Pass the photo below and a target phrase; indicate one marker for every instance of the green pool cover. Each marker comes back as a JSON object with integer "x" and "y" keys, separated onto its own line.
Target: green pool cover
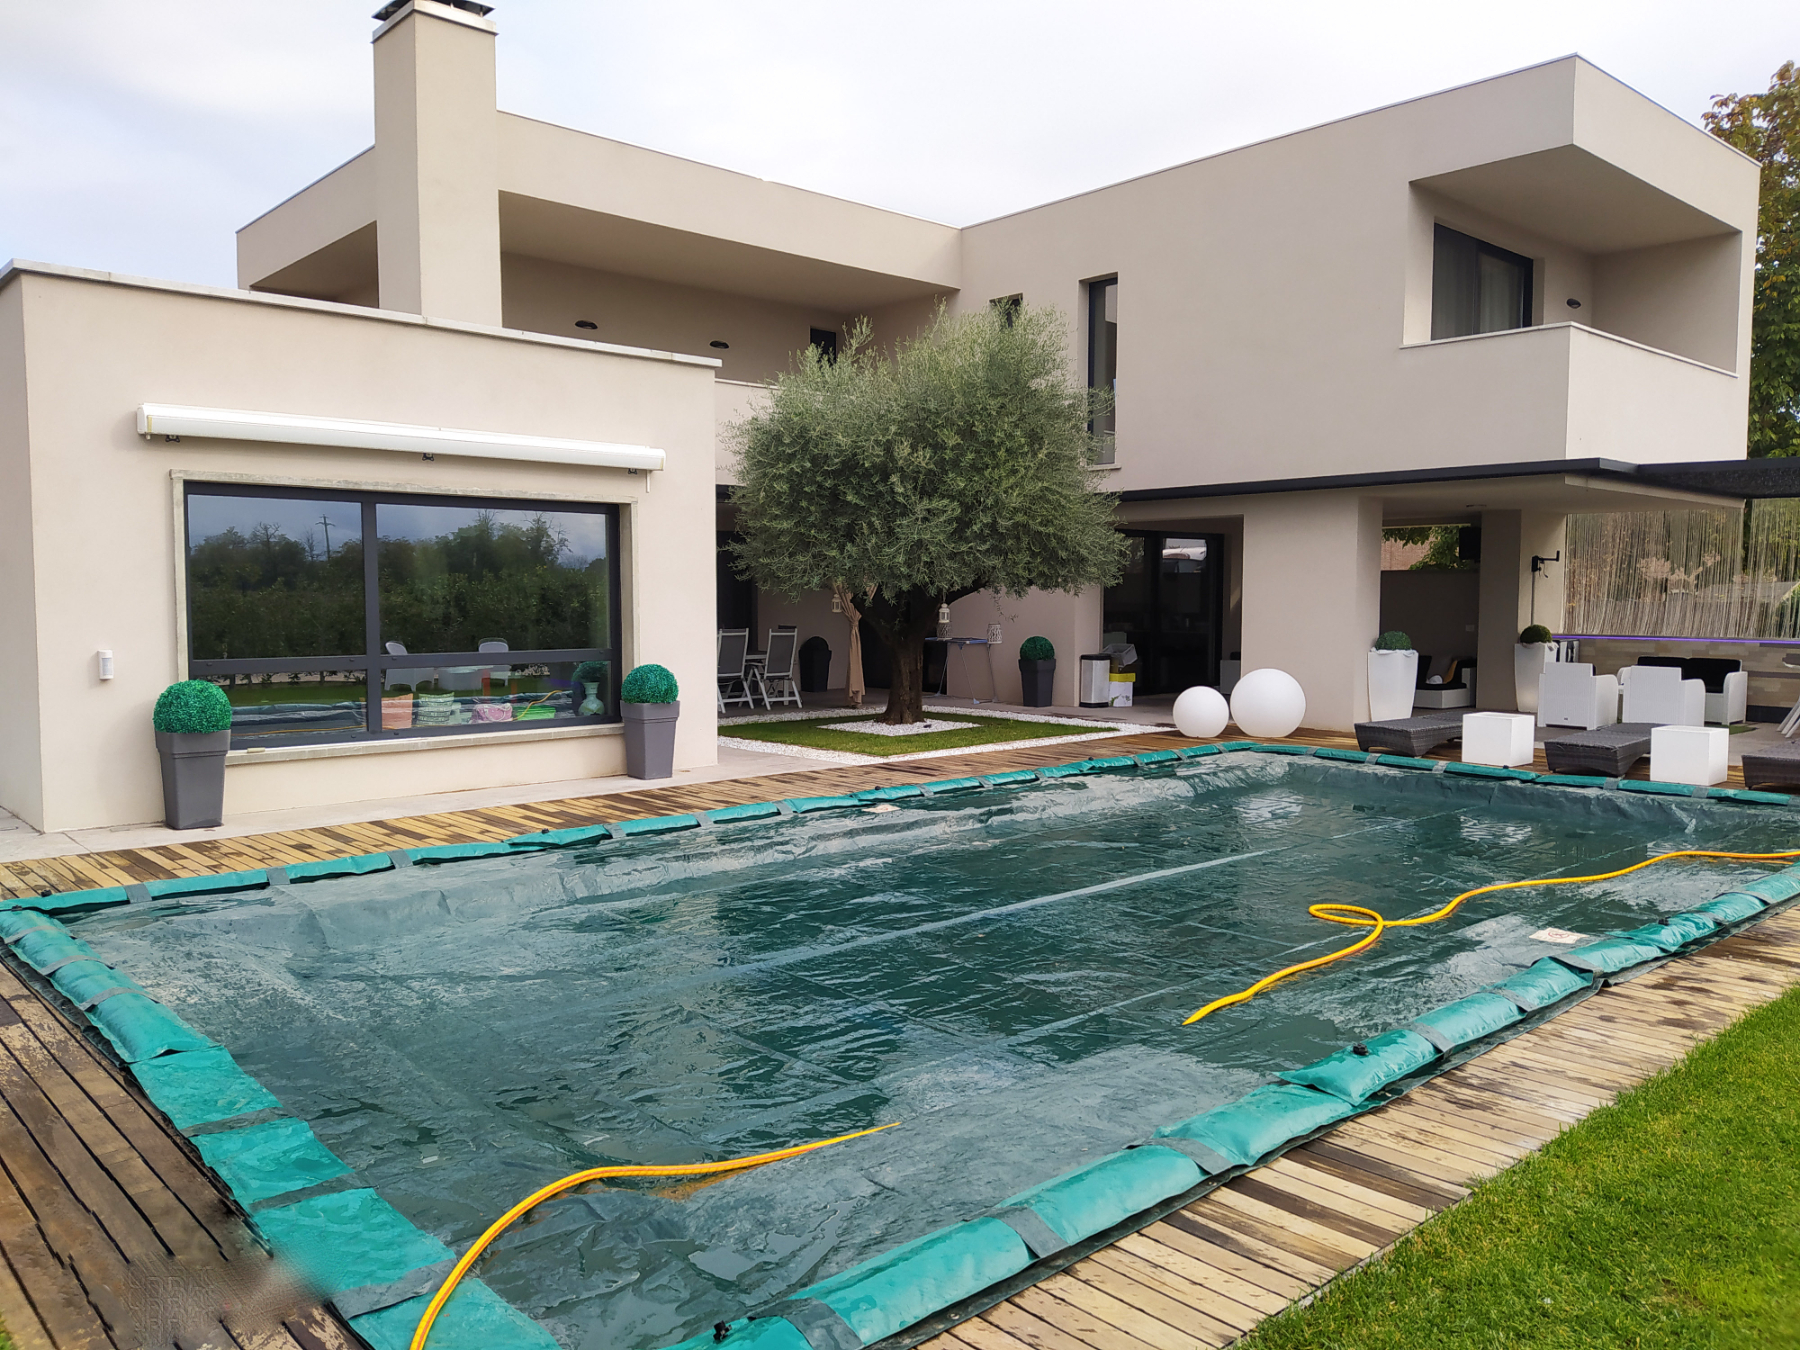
{"x": 379, "y": 1057}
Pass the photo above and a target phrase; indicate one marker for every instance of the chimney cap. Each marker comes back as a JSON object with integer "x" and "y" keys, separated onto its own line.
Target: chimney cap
{"x": 393, "y": 7}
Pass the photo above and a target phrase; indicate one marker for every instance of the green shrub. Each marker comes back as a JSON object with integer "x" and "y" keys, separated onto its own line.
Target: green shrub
{"x": 649, "y": 684}
{"x": 1036, "y": 649}
{"x": 193, "y": 707}
{"x": 1393, "y": 641}
{"x": 590, "y": 672}
{"x": 1536, "y": 633}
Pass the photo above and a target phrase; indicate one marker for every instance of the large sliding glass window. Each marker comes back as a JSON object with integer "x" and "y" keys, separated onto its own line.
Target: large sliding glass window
{"x": 1103, "y": 358}
{"x": 463, "y": 615}
{"x": 1476, "y": 287}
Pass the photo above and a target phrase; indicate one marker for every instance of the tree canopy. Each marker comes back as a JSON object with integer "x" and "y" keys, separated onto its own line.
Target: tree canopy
{"x": 963, "y": 463}
{"x": 1767, "y": 128}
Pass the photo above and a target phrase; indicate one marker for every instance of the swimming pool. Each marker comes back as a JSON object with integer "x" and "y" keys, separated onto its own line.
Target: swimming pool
{"x": 1004, "y": 972}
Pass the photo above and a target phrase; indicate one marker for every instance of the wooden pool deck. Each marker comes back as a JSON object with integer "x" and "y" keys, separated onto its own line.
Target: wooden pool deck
{"x": 112, "y": 1234}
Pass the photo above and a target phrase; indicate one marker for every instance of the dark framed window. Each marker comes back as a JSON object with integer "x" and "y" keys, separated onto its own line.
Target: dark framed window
{"x": 825, "y": 339}
{"x": 1476, "y": 287}
{"x": 339, "y": 616}
{"x": 1008, "y": 307}
{"x": 1103, "y": 358}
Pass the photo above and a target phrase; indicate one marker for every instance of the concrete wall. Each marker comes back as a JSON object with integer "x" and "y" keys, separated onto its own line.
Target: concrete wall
{"x": 106, "y": 550}
{"x": 1271, "y": 299}
{"x": 1439, "y": 611}
{"x": 1312, "y": 597}
{"x": 763, "y": 336}
{"x": 1675, "y": 297}
{"x": 1510, "y": 601}
{"x": 21, "y": 747}
{"x": 1071, "y": 622}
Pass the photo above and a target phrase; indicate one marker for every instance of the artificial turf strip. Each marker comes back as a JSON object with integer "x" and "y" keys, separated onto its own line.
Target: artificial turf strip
{"x": 1670, "y": 1219}
{"x": 986, "y": 731}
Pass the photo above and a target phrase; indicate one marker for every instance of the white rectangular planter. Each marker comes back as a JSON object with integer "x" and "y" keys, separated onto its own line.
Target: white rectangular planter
{"x": 1392, "y": 676}
{"x": 1529, "y": 659}
{"x": 1503, "y": 740}
{"x": 1695, "y": 755}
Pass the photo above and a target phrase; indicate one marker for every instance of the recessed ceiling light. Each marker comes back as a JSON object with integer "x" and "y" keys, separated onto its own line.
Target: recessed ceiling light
{"x": 722, "y": 346}
{"x": 1574, "y": 303}
{"x": 586, "y": 323}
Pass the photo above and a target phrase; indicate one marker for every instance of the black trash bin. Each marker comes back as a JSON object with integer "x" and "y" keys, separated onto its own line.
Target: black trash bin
{"x": 815, "y": 665}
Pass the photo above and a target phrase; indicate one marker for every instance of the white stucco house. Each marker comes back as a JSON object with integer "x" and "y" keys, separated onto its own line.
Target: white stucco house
{"x": 451, "y": 458}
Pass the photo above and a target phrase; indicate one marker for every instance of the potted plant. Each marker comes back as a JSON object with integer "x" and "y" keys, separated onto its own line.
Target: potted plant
{"x": 1393, "y": 675}
{"x": 1037, "y": 671}
{"x": 1530, "y": 655}
{"x": 650, "y": 702}
{"x": 193, "y": 732}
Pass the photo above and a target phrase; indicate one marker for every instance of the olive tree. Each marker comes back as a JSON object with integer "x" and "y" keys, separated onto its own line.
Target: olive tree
{"x": 961, "y": 463}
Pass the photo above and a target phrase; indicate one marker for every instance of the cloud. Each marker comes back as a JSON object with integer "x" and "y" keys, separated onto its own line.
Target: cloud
{"x": 138, "y": 138}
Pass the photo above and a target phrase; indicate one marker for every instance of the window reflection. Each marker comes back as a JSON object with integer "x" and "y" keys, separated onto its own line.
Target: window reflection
{"x": 274, "y": 576}
{"x": 456, "y": 577}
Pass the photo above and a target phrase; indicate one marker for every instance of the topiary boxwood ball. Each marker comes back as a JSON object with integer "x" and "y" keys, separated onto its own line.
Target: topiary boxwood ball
{"x": 1393, "y": 641}
{"x": 1036, "y": 649}
{"x": 1536, "y": 633}
{"x": 649, "y": 684}
{"x": 592, "y": 672}
{"x": 192, "y": 707}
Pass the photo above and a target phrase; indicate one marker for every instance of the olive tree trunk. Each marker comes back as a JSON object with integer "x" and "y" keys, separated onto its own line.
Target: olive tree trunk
{"x": 902, "y": 624}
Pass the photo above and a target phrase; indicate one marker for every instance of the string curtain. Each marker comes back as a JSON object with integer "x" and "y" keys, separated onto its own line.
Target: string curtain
{"x": 1703, "y": 574}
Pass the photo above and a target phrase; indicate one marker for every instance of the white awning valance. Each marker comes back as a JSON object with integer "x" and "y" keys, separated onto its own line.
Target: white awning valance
{"x": 230, "y": 424}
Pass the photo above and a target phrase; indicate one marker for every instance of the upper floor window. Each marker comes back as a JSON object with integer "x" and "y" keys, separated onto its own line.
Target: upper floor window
{"x": 825, "y": 339}
{"x": 1476, "y": 287}
{"x": 1007, "y": 307}
{"x": 1103, "y": 356}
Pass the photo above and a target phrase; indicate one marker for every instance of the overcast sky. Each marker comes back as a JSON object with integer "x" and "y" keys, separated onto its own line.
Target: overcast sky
{"x": 137, "y": 137}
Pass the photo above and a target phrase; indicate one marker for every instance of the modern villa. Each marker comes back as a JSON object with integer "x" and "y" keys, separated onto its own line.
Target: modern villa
{"x": 487, "y": 339}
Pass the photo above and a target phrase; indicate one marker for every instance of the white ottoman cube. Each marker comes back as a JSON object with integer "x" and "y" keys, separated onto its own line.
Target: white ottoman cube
{"x": 1689, "y": 754}
{"x": 1501, "y": 739}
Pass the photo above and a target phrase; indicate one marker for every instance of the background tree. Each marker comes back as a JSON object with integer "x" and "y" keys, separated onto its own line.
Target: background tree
{"x": 1767, "y": 128}
{"x": 961, "y": 464}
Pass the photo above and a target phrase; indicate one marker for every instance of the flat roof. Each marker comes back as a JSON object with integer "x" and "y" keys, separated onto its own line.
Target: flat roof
{"x": 26, "y": 267}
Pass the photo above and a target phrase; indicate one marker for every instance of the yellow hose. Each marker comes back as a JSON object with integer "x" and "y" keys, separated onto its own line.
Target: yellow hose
{"x": 1357, "y": 917}
{"x": 537, "y": 1197}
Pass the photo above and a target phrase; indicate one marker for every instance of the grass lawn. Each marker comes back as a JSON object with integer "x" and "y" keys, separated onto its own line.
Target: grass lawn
{"x": 984, "y": 731}
{"x": 1671, "y": 1219}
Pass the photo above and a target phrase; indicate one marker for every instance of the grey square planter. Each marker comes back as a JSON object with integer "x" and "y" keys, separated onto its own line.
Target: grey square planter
{"x": 650, "y": 738}
{"x": 193, "y": 774}
{"x": 1035, "y": 681}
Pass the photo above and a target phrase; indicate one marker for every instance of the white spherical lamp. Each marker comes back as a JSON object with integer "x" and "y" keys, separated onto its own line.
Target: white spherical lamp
{"x": 1268, "y": 702}
{"x": 1201, "y": 712}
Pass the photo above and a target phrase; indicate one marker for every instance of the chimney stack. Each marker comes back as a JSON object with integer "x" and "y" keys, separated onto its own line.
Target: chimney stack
{"x": 437, "y": 196}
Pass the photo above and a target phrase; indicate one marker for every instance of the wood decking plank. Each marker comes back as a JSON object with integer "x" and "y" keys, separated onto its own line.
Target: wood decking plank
{"x": 1293, "y": 1174}
{"x": 1256, "y": 1296}
{"x": 1281, "y": 1274}
{"x": 1244, "y": 1239}
{"x": 1013, "y": 1319}
{"x": 1075, "y": 1320}
{"x": 1138, "y": 1311}
{"x": 1415, "y": 1187}
{"x": 1227, "y": 1313}
{"x": 50, "y": 1294}
{"x": 168, "y": 1217}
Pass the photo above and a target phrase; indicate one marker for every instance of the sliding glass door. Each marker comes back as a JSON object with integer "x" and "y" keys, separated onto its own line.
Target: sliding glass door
{"x": 1170, "y": 605}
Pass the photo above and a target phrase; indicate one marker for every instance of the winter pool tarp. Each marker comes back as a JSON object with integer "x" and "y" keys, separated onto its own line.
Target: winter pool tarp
{"x": 1003, "y": 969}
